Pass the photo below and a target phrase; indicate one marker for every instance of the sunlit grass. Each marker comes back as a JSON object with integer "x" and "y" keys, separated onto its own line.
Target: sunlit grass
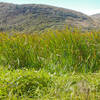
{"x": 53, "y": 50}
{"x": 26, "y": 84}
{"x": 55, "y": 65}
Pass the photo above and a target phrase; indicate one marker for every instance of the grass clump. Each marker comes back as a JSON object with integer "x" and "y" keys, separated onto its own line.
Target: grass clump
{"x": 26, "y": 84}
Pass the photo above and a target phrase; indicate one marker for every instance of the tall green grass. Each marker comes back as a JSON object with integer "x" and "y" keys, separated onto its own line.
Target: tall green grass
{"x": 57, "y": 51}
{"x": 54, "y": 65}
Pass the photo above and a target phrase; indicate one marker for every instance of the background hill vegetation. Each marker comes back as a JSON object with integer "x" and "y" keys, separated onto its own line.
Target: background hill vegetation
{"x": 30, "y": 18}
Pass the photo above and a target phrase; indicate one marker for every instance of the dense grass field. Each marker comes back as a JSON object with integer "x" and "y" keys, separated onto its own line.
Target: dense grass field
{"x": 54, "y": 65}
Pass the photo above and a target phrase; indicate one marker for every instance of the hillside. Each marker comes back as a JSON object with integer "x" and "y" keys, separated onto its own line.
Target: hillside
{"x": 96, "y": 18}
{"x": 33, "y": 17}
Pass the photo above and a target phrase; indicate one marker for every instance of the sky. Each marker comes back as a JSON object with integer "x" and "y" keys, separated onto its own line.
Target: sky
{"x": 88, "y": 7}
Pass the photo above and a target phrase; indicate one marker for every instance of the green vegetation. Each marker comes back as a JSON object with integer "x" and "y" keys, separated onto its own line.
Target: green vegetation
{"x": 53, "y": 65}
{"x": 26, "y": 84}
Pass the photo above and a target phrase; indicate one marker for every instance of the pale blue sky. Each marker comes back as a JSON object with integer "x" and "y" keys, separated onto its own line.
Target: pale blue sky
{"x": 86, "y": 6}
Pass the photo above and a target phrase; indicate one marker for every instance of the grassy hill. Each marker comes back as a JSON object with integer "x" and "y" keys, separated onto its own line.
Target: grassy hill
{"x": 34, "y": 17}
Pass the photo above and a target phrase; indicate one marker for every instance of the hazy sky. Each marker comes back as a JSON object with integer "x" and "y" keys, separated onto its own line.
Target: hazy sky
{"x": 86, "y": 6}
